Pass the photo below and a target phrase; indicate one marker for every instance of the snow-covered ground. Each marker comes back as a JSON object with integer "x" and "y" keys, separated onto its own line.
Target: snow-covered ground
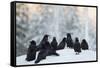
{"x": 66, "y": 55}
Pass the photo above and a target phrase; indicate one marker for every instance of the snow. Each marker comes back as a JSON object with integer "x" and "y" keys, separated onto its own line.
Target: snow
{"x": 66, "y": 55}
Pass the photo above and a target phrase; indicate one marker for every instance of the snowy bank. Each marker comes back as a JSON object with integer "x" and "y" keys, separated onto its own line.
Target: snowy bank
{"x": 66, "y": 55}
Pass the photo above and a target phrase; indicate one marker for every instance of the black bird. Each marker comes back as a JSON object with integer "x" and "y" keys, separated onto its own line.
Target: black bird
{"x": 77, "y": 47}
{"x": 42, "y": 41}
{"x": 54, "y": 45}
{"x": 31, "y": 53}
{"x": 84, "y": 45}
{"x": 44, "y": 50}
{"x": 62, "y": 44}
{"x": 69, "y": 41}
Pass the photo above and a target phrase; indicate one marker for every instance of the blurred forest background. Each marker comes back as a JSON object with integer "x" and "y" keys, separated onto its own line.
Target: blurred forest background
{"x": 35, "y": 20}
